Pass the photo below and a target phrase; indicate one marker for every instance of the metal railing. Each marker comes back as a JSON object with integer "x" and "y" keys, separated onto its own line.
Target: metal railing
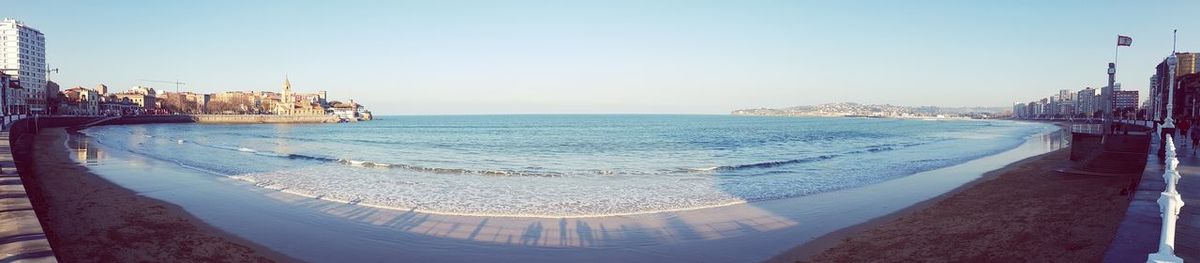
{"x": 9, "y": 120}
{"x": 1089, "y": 128}
{"x": 1169, "y": 202}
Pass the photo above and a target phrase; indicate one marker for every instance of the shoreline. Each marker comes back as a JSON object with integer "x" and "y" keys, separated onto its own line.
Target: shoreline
{"x": 85, "y": 227}
{"x": 1025, "y": 211}
{"x": 816, "y": 246}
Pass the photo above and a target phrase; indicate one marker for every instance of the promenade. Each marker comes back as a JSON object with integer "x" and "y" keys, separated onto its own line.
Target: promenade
{"x": 21, "y": 236}
{"x": 1187, "y": 234}
{"x": 1140, "y": 231}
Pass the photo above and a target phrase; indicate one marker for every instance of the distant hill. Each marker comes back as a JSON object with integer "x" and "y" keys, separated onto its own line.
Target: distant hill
{"x": 850, "y": 109}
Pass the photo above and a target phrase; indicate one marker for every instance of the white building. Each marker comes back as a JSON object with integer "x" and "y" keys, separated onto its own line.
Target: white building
{"x": 23, "y": 56}
{"x": 81, "y": 101}
{"x": 1085, "y": 102}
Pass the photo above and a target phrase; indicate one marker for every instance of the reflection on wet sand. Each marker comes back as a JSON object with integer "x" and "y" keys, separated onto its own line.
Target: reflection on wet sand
{"x": 86, "y": 155}
{"x": 715, "y": 223}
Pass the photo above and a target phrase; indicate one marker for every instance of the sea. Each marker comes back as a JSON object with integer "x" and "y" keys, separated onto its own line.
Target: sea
{"x": 561, "y": 166}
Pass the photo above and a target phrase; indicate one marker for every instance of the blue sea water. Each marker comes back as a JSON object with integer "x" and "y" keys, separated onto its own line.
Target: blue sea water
{"x": 568, "y": 165}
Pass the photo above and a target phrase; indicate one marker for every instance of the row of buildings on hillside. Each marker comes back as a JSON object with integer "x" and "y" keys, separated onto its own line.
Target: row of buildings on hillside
{"x": 1085, "y": 103}
{"x": 98, "y": 101}
{"x": 25, "y": 89}
{"x": 146, "y": 100}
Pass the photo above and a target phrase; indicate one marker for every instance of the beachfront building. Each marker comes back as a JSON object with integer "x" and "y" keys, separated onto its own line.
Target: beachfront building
{"x": 1018, "y": 110}
{"x": 1040, "y": 111}
{"x": 1085, "y": 102}
{"x": 235, "y": 102}
{"x": 113, "y": 105}
{"x": 1056, "y": 105}
{"x": 350, "y": 111}
{"x": 80, "y": 101}
{"x": 23, "y": 57}
{"x": 1189, "y": 87}
{"x": 1187, "y": 64}
{"x": 182, "y": 102}
{"x": 200, "y": 100}
{"x": 1066, "y": 105}
{"x": 15, "y": 101}
{"x": 1032, "y": 109}
{"x": 141, "y": 100}
{"x": 1125, "y": 102}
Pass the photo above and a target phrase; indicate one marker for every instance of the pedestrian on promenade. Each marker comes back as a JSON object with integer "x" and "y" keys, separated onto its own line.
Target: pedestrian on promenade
{"x": 1195, "y": 135}
{"x": 1183, "y": 125}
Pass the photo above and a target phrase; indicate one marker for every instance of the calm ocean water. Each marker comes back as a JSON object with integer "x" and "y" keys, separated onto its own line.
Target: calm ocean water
{"x": 568, "y": 165}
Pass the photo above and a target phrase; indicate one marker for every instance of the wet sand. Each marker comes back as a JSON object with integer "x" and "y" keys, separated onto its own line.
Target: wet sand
{"x": 93, "y": 220}
{"x": 1023, "y": 212}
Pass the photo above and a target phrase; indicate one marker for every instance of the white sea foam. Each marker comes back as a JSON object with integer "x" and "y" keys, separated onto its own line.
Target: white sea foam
{"x": 592, "y": 179}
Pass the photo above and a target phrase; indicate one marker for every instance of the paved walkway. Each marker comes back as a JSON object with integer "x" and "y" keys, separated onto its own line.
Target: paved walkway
{"x": 21, "y": 236}
{"x": 1139, "y": 232}
{"x": 1187, "y": 236}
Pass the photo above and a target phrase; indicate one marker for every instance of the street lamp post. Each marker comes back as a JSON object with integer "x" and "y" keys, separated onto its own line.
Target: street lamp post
{"x": 1169, "y": 122}
{"x": 1107, "y": 93}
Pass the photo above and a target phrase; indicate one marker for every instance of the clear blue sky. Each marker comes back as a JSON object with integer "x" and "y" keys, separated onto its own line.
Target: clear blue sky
{"x": 469, "y": 57}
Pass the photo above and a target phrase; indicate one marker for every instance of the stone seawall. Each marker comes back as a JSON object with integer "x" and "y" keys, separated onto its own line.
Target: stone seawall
{"x": 23, "y": 211}
{"x": 241, "y": 119}
{"x": 218, "y": 119}
{"x": 146, "y": 119}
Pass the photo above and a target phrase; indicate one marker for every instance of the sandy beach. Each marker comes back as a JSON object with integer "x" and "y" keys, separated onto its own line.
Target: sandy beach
{"x": 1023, "y": 212}
{"x": 93, "y": 220}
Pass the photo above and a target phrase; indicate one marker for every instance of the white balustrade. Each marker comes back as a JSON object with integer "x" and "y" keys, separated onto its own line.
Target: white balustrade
{"x": 1170, "y": 203}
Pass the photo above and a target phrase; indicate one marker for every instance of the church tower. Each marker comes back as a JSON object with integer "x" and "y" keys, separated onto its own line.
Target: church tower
{"x": 286, "y": 103}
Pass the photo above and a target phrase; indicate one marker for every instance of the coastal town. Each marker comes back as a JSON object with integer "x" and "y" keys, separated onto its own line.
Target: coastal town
{"x": 761, "y": 131}
{"x": 27, "y": 91}
{"x": 1176, "y": 81}
{"x": 850, "y": 109}
{"x": 1086, "y": 103}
